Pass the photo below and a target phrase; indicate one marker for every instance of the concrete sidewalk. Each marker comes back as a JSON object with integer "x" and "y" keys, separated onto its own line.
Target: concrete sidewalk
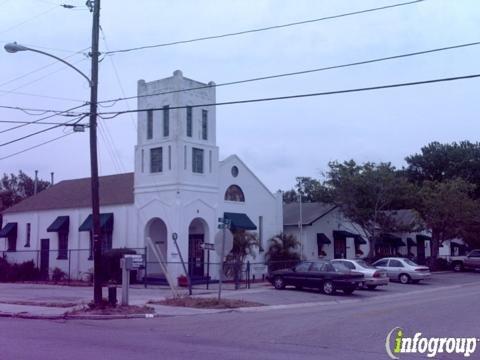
{"x": 53, "y": 301}
{"x": 27, "y": 300}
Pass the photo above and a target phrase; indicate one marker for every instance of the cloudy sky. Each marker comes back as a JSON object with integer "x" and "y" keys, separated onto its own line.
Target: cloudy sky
{"x": 278, "y": 140}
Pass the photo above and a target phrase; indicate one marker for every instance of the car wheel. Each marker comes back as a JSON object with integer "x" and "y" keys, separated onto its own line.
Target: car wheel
{"x": 328, "y": 287}
{"x": 457, "y": 267}
{"x": 348, "y": 291}
{"x": 404, "y": 278}
{"x": 278, "y": 283}
{"x": 371, "y": 287}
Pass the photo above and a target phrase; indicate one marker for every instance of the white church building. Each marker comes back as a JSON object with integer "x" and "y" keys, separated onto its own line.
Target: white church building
{"x": 179, "y": 186}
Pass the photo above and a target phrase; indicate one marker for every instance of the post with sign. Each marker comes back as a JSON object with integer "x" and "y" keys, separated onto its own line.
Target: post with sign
{"x": 128, "y": 263}
{"x": 208, "y": 247}
{"x": 224, "y": 225}
{"x": 187, "y": 273}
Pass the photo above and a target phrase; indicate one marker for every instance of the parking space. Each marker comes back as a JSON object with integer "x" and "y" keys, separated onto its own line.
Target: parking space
{"x": 269, "y": 296}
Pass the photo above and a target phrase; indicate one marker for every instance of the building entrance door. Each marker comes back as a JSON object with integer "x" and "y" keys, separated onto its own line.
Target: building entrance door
{"x": 44, "y": 258}
{"x": 196, "y": 256}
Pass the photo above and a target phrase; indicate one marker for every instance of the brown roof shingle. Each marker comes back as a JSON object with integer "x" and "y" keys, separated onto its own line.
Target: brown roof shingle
{"x": 311, "y": 212}
{"x": 68, "y": 194}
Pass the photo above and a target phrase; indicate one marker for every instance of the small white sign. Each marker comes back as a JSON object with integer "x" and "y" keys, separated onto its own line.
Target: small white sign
{"x": 137, "y": 260}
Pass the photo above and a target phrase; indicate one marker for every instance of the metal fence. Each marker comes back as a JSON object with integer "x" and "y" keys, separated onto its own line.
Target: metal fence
{"x": 76, "y": 265}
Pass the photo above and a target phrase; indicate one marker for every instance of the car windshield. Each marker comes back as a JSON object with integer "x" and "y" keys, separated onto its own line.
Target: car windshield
{"x": 339, "y": 267}
{"x": 409, "y": 262}
{"x": 364, "y": 264}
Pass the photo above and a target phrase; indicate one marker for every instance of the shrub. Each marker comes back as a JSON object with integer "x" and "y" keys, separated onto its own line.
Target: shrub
{"x": 58, "y": 274}
{"x": 25, "y": 271}
{"x": 282, "y": 252}
{"x": 438, "y": 264}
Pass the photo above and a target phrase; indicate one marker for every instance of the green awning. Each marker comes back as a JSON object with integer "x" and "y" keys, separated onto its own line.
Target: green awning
{"x": 411, "y": 242}
{"x": 106, "y": 223}
{"x": 9, "y": 231}
{"x": 240, "y": 221}
{"x": 342, "y": 234}
{"x": 390, "y": 240}
{"x": 322, "y": 239}
{"x": 61, "y": 224}
{"x": 359, "y": 240}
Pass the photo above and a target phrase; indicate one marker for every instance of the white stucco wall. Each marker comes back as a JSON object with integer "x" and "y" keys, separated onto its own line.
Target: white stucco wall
{"x": 78, "y": 263}
{"x": 327, "y": 224}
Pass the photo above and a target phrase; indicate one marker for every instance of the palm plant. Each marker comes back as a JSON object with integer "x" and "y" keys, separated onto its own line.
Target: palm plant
{"x": 282, "y": 252}
{"x": 244, "y": 243}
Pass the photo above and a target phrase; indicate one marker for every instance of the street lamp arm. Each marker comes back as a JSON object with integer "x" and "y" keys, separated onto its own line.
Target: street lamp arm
{"x": 14, "y": 47}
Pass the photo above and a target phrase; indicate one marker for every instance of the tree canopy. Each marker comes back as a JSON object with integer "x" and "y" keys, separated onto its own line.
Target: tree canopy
{"x": 15, "y": 188}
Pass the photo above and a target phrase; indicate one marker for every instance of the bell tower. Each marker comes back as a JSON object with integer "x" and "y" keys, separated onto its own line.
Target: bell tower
{"x": 176, "y": 142}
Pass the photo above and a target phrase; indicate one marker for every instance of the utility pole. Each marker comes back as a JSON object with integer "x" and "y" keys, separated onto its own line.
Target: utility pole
{"x": 97, "y": 244}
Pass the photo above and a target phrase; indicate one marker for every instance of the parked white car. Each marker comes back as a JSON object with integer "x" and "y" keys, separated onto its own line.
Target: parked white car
{"x": 373, "y": 276}
{"x": 403, "y": 269}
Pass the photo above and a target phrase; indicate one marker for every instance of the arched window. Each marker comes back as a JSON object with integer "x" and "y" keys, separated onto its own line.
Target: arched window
{"x": 234, "y": 193}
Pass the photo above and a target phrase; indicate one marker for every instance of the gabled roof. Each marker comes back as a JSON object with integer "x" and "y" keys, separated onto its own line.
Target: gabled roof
{"x": 405, "y": 218}
{"x": 311, "y": 212}
{"x": 233, "y": 158}
{"x": 68, "y": 194}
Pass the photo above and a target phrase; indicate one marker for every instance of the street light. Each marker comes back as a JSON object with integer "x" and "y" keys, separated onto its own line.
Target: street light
{"x": 93, "y": 83}
{"x": 15, "y": 47}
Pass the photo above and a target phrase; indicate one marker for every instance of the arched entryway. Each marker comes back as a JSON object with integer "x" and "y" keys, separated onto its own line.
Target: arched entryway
{"x": 197, "y": 234}
{"x": 156, "y": 230}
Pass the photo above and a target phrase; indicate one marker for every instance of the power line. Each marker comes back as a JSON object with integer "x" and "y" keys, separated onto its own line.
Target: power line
{"x": 39, "y": 79}
{"x": 31, "y": 122}
{"x": 42, "y": 131}
{"x": 287, "y": 97}
{"x": 41, "y": 119}
{"x": 40, "y": 68}
{"x": 8, "y": 92}
{"x": 29, "y": 111}
{"x": 29, "y": 19}
{"x": 264, "y": 28}
{"x": 302, "y": 72}
{"x": 36, "y": 146}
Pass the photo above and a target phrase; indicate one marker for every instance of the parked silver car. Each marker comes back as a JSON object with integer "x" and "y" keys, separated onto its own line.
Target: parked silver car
{"x": 373, "y": 276}
{"x": 403, "y": 269}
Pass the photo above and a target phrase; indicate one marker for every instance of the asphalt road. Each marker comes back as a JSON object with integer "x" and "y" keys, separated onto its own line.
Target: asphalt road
{"x": 350, "y": 329}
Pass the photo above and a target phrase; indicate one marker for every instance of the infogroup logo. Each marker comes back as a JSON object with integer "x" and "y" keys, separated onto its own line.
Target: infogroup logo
{"x": 397, "y": 343}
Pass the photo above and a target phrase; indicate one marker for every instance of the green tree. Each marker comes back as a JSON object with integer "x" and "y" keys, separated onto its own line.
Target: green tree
{"x": 365, "y": 192}
{"x": 244, "y": 244}
{"x": 15, "y": 188}
{"x": 441, "y": 162}
{"x": 282, "y": 251}
{"x": 312, "y": 190}
{"x": 447, "y": 209}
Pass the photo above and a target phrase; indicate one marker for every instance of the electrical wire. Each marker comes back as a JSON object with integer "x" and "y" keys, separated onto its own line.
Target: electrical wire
{"x": 42, "y": 131}
{"x": 264, "y": 28}
{"x": 41, "y": 68}
{"x": 288, "y": 97}
{"x": 29, "y": 111}
{"x": 30, "y": 122}
{"x": 7, "y": 92}
{"x": 36, "y": 146}
{"x": 302, "y": 72}
{"x": 29, "y": 19}
{"x": 41, "y": 119}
